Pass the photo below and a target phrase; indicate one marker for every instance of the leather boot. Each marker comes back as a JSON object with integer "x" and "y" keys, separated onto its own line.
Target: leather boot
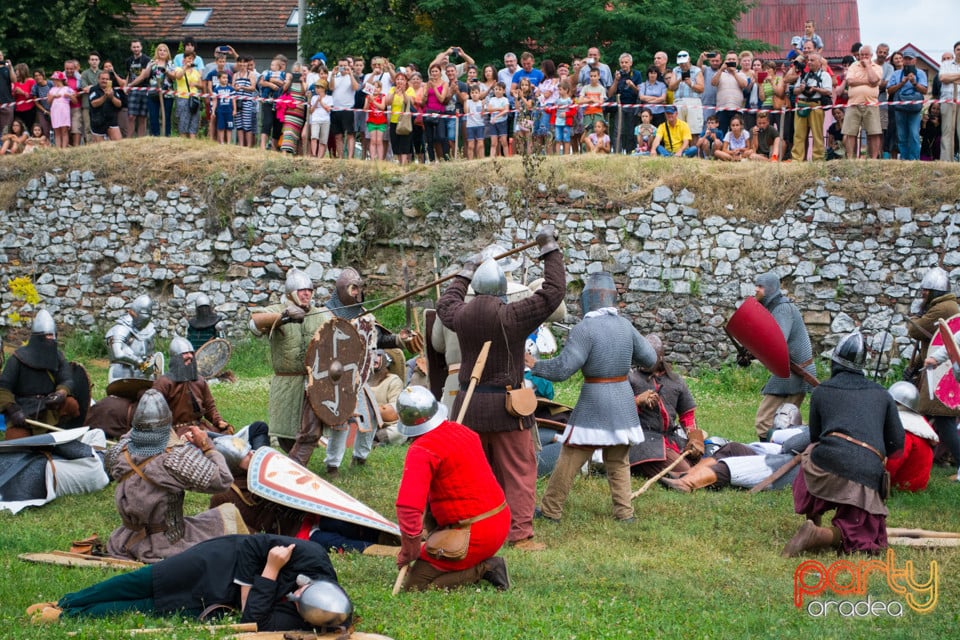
{"x": 332, "y": 472}
{"x": 697, "y": 478}
{"x": 810, "y": 537}
{"x": 495, "y": 572}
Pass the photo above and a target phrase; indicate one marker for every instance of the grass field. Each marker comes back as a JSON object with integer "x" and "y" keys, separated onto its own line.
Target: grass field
{"x": 705, "y": 565}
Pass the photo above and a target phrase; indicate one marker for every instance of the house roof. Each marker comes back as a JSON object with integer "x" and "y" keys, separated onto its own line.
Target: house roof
{"x": 919, "y": 53}
{"x": 776, "y": 21}
{"x": 230, "y": 22}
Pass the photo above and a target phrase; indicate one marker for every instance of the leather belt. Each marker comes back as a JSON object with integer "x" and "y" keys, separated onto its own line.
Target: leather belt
{"x": 484, "y": 516}
{"x": 870, "y": 448}
{"x": 605, "y": 380}
{"x": 804, "y": 365}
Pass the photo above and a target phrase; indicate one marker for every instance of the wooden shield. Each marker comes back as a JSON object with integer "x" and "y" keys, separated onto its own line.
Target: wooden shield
{"x": 129, "y": 388}
{"x": 945, "y": 387}
{"x": 212, "y": 357}
{"x": 756, "y": 329}
{"x": 334, "y": 360}
{"x": 81, "y": 393}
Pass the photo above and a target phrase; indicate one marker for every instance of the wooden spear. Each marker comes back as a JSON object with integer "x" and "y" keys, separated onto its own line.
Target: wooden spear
{"x": 649, "y": 483}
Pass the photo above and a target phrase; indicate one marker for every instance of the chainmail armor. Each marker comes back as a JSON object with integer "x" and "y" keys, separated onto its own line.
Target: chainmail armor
{"x": 190, "y": 465}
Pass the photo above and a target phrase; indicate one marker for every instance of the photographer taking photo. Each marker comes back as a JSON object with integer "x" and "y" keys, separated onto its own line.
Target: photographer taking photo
{"x": 813, "y": 90}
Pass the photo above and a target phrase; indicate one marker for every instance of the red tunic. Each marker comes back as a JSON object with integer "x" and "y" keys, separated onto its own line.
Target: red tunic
{"x": 447, "y": 468}
{"x": 910, "y": 469}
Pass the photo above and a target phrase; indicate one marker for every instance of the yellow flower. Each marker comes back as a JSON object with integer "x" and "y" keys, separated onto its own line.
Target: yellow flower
{"x": 14, "y": 318}
{"x": 22, "y": 288}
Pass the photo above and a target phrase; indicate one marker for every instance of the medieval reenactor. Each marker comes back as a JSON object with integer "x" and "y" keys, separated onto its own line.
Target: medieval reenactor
{"x": 604, "y": 345}
{"x": 130, "y": 342}
{"x": 346, "y": 302}
{"x": 667, "y": 416}
{"x": 506, "y": 438}
{"x": 36, "y": 383}
{"x": 277, "y": 582}
{"x": 202, "y": 327}
{"x": 792, "y": 389}
{"x": 153, "y": 469}
{"x": 937, "y": 302}
{"x": 446, "y": 475}
{"x": 910, "y": 470}
{"x": 854, "y": 426}
{"x": 187, "y": 393}
{"x": 290, "y": 325}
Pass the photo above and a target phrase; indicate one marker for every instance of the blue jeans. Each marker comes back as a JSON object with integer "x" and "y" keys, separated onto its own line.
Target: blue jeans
{"x": 689, "y": 152}
{"x": 908, "y": 134}
{"x": 153, "y": 115}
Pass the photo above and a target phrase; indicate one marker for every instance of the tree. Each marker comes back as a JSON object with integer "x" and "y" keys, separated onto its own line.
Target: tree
{"x": 417, "y": 29}
{"x": 47, "y": 33}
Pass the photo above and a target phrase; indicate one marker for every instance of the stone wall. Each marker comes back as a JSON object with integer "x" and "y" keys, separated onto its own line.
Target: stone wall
{"x": 92, "y": 247}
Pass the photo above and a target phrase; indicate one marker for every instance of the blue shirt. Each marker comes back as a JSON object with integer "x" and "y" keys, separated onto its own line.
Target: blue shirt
{"x": 535, "y": 75}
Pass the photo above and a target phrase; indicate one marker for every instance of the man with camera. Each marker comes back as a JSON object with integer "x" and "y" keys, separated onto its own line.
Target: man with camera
{"x": 343, "y": 84}
{"x": 626, "y": 86}
{"x": 443, "y": 59}
{"x": 687, "y": 87}
{"x": 730, "y": 83}
{"x": 592, "y": 61}
{"x": 863, "y": 111}
{"x": 813, "y": 89}
{"x": 909, "y": 84}
{"x": 7, "y": 77}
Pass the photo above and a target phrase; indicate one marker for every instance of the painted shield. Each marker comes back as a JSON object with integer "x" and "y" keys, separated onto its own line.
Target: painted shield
{"x": 334, "y": 360}
{"x": 81, "y": 393}
{"x": 946, "y": 388}
{"x": 275, "y": 477}
{"x": 212, "y": 357}
{"x": 755, "y": 328}
{"x": 367, "y": 327}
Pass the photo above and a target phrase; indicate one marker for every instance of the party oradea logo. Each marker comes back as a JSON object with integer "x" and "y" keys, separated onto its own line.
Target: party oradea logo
{"x": 840, "y": 588}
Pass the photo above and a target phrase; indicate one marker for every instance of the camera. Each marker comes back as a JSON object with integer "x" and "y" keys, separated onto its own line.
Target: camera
{"x": 713, "y": 54}
{"x": 731, "y": 63}
{"x": 684, "y": 75}
{"x": 799, "y": 63}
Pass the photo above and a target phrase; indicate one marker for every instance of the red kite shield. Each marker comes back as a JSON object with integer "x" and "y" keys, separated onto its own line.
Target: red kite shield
{"x": 946, "y": 388}
{"x": 755, "y": 328}
{"x": 334, "y": 359}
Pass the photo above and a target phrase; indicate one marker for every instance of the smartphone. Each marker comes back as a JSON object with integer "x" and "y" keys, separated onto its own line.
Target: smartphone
{"x": 762, "y": 76}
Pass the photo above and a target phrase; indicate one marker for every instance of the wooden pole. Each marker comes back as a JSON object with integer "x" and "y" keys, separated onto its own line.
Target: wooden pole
{"x": 474, "y": 379}
{"x": 649, "y": 483}
{"x": 50, "y": 427}
{"x": 920, "y": 533}
{"x": 400, "y": 578}
{"x": 437, "y": 282}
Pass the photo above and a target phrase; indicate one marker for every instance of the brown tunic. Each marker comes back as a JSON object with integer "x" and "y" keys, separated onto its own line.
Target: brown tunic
{"x": 943, "y": 308}
{"x": 190, "y": 402}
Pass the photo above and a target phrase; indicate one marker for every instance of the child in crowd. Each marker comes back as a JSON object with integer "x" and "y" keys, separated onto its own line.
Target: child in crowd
{"x": 14, "y": 139}
{"x": 225, "y": 107}
{"x": 592, "y": 95}
{"x": 736, "y": 145}
{"x": 563, "y": 119}
{"x": 60, "y": 98}
{"x": 711, "y": 140}
{"x": 599, "y": 141}
{"x": 523, "y": 128}
{"x": 375, "y": 106}
{"x": 320, "y": 105}
{"x": 645, "y": 133}
{"x": 37, "y": 139}
{"x": 39, "y": 91}
{"x": 835, "y": 149}
{"x": 497, "y": 108}
{"x": 474, "y": 113}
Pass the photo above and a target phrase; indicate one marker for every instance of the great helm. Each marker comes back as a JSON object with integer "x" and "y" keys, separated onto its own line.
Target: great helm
{"x": 787, "y": 415}
{"x": 233, "y": 449}
{"x": 43, "y": 323}
{"x": 599, "y": 291}
{"x": 323, "y": 603}
{"x": 936, "y": 279}
{"x": 142, "y": 310}
{"x": 296, "y": 280}
{"x": 150, "y": 428}
{"x": 418, "y": 411}
{"x": 905, "y": 394}
{"x": 851, "y": 351}
{"x": 489, "y": 279}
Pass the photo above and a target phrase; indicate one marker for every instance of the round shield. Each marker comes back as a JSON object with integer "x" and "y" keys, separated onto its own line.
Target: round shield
{"x": 212, "y": 357}
{"x": 81, "y": 393}
{"x": 129, "y": 388}
{"x": 335, "y": 356}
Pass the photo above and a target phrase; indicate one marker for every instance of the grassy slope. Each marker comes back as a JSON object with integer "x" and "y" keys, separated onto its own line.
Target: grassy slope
{"x": 705, "y": 565}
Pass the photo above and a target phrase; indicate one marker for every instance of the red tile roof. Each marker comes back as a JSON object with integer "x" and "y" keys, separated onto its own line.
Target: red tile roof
{"x": 232, "y": 22}
{"x": 776, "y": 21}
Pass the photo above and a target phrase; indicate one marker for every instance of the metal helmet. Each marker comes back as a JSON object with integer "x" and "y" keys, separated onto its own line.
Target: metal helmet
{"x": 142, "y": 310}
{"x": 787, "y": 415}
{"x": 936, "y": 279}
{"x": 599, "y": 292}
{"x": 43, "y": 323}
{"x": 233, "y": 449}
{"x": 489, "y": 279}
{"x": 150, "y": 427}
{"x": 179, "y": 370}
{"x": 418, "y": 411}
{"x": 905, "y": 394}
{"x": 851, "y": 351}
{"x": 348, "y": 278}
{"x": 296, "y": 280}
{"x": 656, "y": 344}
{"x": 384, "y": 361}
{"x": 202, "y": 300}
{"x": 323, "y": 603}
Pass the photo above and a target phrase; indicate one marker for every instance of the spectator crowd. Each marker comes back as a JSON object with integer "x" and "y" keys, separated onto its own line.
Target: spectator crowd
{"x": 726, "y": 106}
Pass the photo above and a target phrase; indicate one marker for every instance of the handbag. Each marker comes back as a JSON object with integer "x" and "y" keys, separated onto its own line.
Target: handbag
{"x": 193, "y": 102}
{"x": 405, "y": 122}
{"x": 521, "y": 402}
{"x": 453, "y": 542}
